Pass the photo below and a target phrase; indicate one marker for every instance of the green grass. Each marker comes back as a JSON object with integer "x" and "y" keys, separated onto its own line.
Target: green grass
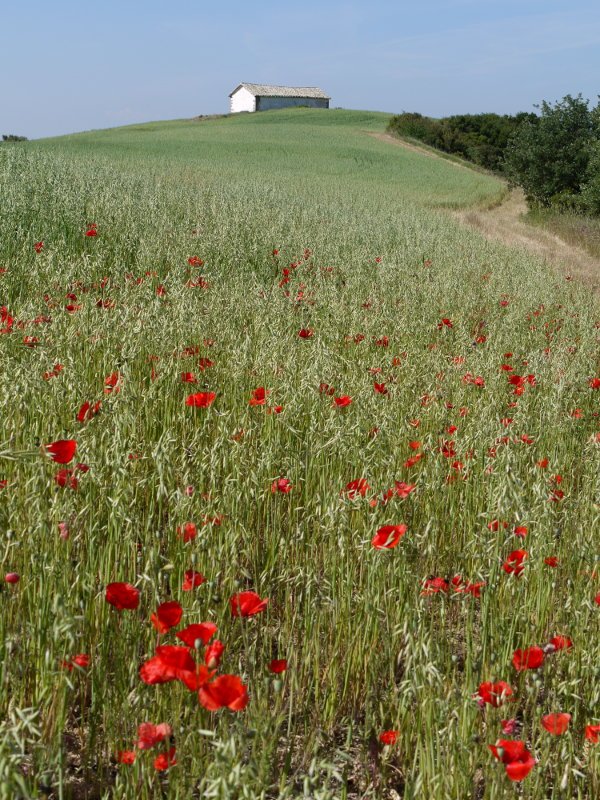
{"x": 367, "y": 652}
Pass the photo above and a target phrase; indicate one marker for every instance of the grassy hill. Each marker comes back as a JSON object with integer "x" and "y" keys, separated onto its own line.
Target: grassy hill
{"x": 290, "y": 351}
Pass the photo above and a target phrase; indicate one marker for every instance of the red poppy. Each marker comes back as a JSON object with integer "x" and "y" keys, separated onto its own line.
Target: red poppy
{"x": 494, "y": 693}
{"x": 82, "y": 660}
{"x": 305, "y": 333}
{"x": 282, "y": 485}
{"x": 12, "y": 577}
{"x": 556, "y": 724}
{"x": 194, "y": 261}
{"x": 542, "y": 463}
{"x": 226, "y": 691}
{"x": 247, "y": 604}
{"x": 594, "y": 383}
{"x": 380, "y": 388}
{"x": 122, "y": 596}
{"x": 150, "y": 734}
{"x": 88, "y": 411}
{"x": 514, "y": 562}
{"x": 213, "y": 654}
{"x": 435, "y": 586}
{"x": 520, "y": 531}
{"x": 187, "y": 532}
{"x": 173, "y": 663}
{"x": 560, "y": 643}
{"x": 402, "y": 490}
{"x": 111, "y": 383}
{"x": 388, "y": 536}
{"x": 551, "y": 561}
{"x": 259, "y": 396}
{"x": 410, "y": 462}
{"x": 201, "y": 399}
{"x": 192, "y": 579}
{"x": 530, "y": 658}
{"x": 496, "y": 524}
{"x": 168, "y": 615}
{"x": 325, "y": 388}
{"x": 357, "y": 488}
{"x": 38, "y": 247}
{"x": 509, "y": 726}
{"x": 389, "y": 737}
{"x": 126, "y": 756}
{"x": 342, "y": 401}
{"x": 62, "y": 451}
{"x": 188, "y": 377}
{"x": 592, "y": 733}
{"x": 66, "y": 477}
{"x": 202, "y": 632}
{"x": 91, "y": 230}
{"x": 597, "y": 599}
{"x": 277, "y": 665}
{"x": 165, "y": 760}
{"x": 517, "y": 760}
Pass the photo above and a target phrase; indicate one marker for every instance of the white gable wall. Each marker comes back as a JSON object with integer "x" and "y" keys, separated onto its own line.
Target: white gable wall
{"x": 242, "y": 100}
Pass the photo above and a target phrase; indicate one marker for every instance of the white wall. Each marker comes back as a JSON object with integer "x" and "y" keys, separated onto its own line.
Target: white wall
{"x": 242, "y": 100}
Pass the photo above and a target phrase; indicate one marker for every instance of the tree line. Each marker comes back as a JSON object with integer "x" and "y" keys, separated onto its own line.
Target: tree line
{"x": 554, "y": 155}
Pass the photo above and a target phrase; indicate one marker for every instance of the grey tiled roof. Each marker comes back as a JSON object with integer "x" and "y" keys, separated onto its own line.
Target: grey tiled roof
{"x": 265, "y": 90}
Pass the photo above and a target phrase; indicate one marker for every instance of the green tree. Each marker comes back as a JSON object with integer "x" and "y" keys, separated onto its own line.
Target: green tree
{"x": 549, "y": 157}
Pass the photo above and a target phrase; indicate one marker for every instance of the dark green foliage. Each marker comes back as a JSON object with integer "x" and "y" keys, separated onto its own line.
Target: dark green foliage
{"x": 555, "y": 159}
{"x": 480, "y": 138}
{"x": 11, "y": 137}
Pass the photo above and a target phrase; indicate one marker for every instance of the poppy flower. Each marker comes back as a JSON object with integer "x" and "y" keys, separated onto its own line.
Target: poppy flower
{"x": 277, "y": 665}
{"x": 259, "y": 396}
{"x": 91, "y": 230}
{"x": 172, "y": 663}
{"x": 514, "y": 562}
{"x": 126, "y": 756}
{"x": 38, "y": 247}
{"x": 150, "y": 734}
{"x": 168, "y": 615}
{"x": 213, "y": 653}
{"x": 187, "y": 532}
{"x": 12, "y": 577}
{"x": 325, "y": 388}
{"x": 200, "y": 400}
{"x": 435, "y": 586}
{"x": 111, "y": 383}
{"x": 389, "y": 737}
{"x": 342, "y": 401}
{"x": 530, "y": 658}
{"x": 226, "y": 691}
{"x": 305, "y": 333}
{"x": 509, "y": 726}
{"x": 494, "y": 694}
{"x": 592, "y": 733}
{"x": 282, "y": 485}
{"x": 560, "y": 643}
{"x": 520, "y": 531}
{"x": 594, "y": 383}
{"x": 122, "y": 596}
{"x": 88, "y": 411}
{"x": 247, "y": 604}
{"x": 551, "y": 561}
{"x": 188, "y": 377}
{"x": 402, "y": 490}
{"x": 202, "y": 632}
{"x": 81, "y": 660}
{"x": 410, "y": 462}
{"x": 380, "y": 388}
{"x": 62, "y": 451}
{"x": 66, "y": 477}
{"x": 518, "y": 761}
{"x": 597, "y": 599}
{"x": 165, "y": 760}
{"x": 556, "y": 724}
{"x": 194, "y": 261}
{"x": 388, "y": 536}
{"x": 192, "y": 579}
{"x": 357, "y": 488}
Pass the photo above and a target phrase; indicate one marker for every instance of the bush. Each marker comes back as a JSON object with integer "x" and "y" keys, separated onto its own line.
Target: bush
{"x": 550, "y": 158}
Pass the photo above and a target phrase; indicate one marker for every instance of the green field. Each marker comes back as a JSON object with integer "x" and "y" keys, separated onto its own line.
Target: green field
{"x": 368, "y": 264}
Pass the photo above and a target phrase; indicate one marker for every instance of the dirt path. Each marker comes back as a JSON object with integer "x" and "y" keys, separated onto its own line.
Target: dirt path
{"x": 505, "y": 223}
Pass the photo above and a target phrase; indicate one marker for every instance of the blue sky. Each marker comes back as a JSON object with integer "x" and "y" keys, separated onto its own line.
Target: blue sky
{"x": 70, "y": 66}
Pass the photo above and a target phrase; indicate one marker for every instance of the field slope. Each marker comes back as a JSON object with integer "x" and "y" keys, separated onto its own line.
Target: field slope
{"x": 288, "y": 371}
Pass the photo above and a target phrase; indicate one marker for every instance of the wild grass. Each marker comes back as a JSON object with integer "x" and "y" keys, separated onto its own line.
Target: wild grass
{"x": 367, "y": 651}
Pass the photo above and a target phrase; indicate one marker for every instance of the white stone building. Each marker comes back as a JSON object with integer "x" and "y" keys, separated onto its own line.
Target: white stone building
{"x": 262, "y": 97}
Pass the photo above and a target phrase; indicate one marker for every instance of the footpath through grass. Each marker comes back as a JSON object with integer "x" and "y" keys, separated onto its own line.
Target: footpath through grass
{"x": 292, "y": 253}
